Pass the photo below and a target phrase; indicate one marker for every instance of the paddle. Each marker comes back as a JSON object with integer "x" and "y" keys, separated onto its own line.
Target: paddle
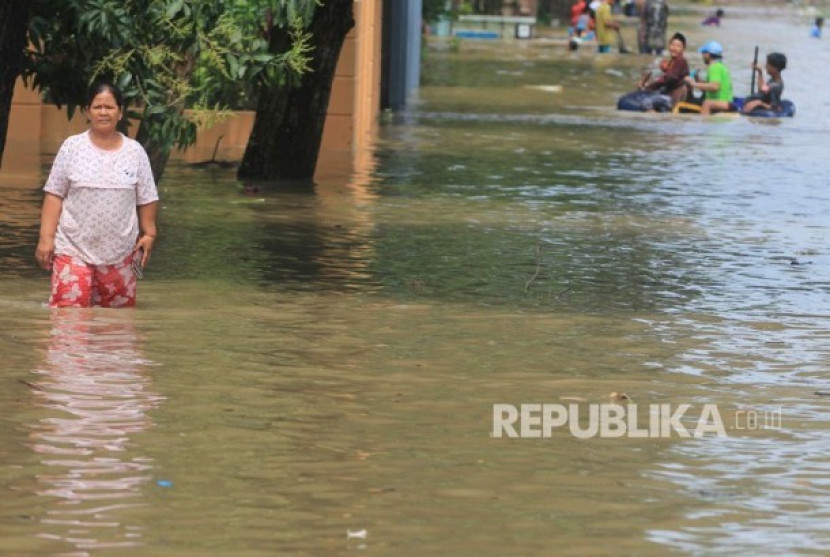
{"x": 620, "y": 43}
{"x": 754, "y": 63}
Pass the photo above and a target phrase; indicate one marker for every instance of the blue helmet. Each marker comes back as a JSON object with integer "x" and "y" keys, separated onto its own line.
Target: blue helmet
{"x": 712, "y": 47}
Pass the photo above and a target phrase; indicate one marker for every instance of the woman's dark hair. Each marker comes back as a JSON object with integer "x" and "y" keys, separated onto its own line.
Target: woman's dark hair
{"x": 680, "y": 37}
{"x": 100, "y": 87}
{"x": 777, "y": 60}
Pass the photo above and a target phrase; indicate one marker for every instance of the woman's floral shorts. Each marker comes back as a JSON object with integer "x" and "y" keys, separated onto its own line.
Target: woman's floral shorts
{"x": 76, "y": 284}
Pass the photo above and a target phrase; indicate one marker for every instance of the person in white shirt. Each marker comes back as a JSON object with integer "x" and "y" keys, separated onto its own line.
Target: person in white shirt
{"x": 98, "y": 221}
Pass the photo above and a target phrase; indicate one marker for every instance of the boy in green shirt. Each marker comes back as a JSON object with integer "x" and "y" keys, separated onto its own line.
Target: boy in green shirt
{"x": 718, "y": 86}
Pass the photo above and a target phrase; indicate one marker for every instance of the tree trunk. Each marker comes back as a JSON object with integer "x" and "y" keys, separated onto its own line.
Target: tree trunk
{"x": 14, "y": 19}
{"x": 288, "y": 127}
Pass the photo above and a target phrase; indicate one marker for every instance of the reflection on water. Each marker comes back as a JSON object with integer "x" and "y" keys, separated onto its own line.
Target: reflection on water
{"x": 97, "y": 395}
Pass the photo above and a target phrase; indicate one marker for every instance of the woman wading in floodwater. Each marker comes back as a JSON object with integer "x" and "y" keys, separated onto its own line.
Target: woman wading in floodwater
{"x": 98, "y": 222}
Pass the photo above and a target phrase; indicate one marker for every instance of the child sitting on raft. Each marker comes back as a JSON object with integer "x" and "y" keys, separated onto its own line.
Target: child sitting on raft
{"x": 769, "y": 92}
{"x": 675, "y": 69}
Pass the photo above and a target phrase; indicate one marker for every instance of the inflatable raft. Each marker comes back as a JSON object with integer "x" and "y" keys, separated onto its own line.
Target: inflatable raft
{"x": 642, "y": 101}
{"x": 787, "y": 111}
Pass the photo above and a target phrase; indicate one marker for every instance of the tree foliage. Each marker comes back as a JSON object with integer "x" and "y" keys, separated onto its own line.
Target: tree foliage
{"x": 433, "y": 10}
{"x": 165, "y": 55}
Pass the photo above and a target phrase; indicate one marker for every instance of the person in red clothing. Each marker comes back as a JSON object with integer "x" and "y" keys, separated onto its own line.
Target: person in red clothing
{"x": 581, "y": 21}
{"x": 675, "y": 69}
{"x": 576, "y": 11}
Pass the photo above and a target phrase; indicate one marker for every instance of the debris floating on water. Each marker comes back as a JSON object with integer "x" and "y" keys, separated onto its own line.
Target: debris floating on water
{"x": 546, "y": 88}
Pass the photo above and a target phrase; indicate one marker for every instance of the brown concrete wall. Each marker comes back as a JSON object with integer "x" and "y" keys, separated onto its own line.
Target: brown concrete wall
{"x": 22, "y": 152}
{"x": 231, "y": 134}
{"x": 351, "y": 122}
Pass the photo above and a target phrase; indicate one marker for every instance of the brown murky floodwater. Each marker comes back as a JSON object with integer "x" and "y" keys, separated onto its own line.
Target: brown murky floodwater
{"x": 314, "y": 372}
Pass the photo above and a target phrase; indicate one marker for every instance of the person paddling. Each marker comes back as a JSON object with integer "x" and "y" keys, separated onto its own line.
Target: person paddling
{"x": 769, "y": 92}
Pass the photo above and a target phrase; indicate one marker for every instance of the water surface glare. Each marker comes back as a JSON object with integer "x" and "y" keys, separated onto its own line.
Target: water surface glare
{"x": 313, "y": 371}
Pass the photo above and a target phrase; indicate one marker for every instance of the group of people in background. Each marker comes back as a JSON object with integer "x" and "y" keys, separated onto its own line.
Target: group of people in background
{"x": 677, "y": 84}
{"x": 596, "y": 20}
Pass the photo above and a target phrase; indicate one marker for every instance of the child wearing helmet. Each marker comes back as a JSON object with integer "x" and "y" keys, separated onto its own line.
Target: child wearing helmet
{"x": 718, "y": 86}
{"x": 769, "y": 92}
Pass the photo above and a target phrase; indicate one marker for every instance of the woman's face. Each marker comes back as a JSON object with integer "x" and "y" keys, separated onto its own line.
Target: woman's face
{"x": 104, "y": 113}
{"x": 676, "y": 48}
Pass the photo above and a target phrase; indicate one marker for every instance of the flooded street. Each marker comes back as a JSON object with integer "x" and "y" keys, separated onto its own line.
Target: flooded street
{"x": 315, "y": 372}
